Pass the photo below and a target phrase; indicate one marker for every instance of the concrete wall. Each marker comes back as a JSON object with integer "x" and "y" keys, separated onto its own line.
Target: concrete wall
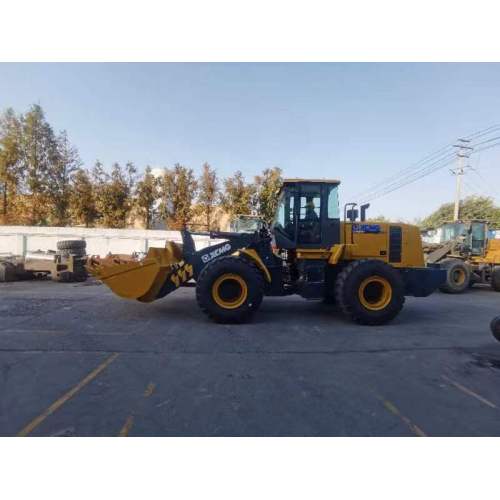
{"x": 18, "y": 240}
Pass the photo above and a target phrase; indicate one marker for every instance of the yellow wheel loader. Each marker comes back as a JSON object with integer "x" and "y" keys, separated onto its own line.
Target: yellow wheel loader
{"x": 467, "y": 253}
{"x": 366, "y": 269}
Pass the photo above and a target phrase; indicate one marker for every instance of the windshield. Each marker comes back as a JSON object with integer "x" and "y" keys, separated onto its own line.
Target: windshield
{"x": 284, "y": 218}
{"x": 246, "y": 224}
{"x": 453, "y": 231}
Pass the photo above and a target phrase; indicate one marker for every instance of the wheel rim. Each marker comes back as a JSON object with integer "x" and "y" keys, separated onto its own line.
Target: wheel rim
{"x": 229, "y": 291}
{"x": 458, "y": 276}
{"x": 375, "y": 293}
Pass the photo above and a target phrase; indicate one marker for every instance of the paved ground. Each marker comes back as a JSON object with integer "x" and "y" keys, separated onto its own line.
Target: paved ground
{"x": 76, "y": 360}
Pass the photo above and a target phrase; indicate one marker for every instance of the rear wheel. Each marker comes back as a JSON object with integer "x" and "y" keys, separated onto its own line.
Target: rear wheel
{"x": 495, "y": 279}
{"x": 230, "y": 290}
{"x": 495, "y": 327}
{"x": 458, "y": 276}
{"x": 370, "y": 292}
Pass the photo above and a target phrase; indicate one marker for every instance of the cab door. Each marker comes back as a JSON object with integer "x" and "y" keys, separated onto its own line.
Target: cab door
{"x": 318, "y": 215}
{"x": 309, "y": 216}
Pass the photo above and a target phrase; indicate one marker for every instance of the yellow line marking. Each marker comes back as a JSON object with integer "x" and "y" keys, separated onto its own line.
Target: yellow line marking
{"x": 130, "y": 419}
{"x": 57, "y": 404}
{"x": 127, "y": 426}
{"x": 469, "y": 392}
{"x": 149, "y": 389}
{"x": 414, "y": 428}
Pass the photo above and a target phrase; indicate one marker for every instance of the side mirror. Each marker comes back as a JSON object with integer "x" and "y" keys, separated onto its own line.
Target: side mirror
{"x": 352, "y": 214}
{"x": 364, "y": 208}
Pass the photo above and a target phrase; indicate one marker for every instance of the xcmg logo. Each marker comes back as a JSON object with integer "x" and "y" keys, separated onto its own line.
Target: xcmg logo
{"x": 215, "y": 253}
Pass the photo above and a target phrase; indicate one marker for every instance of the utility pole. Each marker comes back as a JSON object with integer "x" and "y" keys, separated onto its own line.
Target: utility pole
{"x": 464, "y": 151}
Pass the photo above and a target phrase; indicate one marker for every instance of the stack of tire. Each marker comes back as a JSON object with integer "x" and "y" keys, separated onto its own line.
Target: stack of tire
{"x": 78, "y": 250}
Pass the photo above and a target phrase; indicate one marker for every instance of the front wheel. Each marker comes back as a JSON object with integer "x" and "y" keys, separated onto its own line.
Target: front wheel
{"x": 370, "y": 292}
{"x": 458, "y": 276}
{"x": 230, "y": 290}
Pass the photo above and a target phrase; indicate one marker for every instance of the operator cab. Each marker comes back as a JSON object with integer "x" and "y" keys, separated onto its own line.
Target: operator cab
{"x": 472, "y": 234}
{"x": 307, "y": 215}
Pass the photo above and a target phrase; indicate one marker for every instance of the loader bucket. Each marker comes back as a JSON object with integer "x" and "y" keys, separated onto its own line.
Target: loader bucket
{"x": 159, "y": 273}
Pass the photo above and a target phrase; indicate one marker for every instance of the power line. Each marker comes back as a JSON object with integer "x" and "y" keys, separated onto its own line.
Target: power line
{"x": 415, "y": 177}
{"x": 438, "y": 159}
{"x": 487, "y": 147}
{"x": 489, "y": 187}
{"x": 442, "y": 162}
{"x": 483, "y": 132}
{"x": 431, "y": 156}
{"x": 486, "y": 141}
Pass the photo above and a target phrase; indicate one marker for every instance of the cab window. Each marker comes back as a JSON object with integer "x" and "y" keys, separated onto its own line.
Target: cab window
{"x": 285, "y": 219}
{"x": 333, "y": 202}
{"x": 310, "y": 214}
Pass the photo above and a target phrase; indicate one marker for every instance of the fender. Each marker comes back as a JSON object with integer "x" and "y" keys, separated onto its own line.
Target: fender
{"x": 254, "y": 256}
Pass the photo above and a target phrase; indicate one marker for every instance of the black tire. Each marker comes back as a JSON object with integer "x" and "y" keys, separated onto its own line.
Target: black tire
{"x": 63, "y": 277}
{"x": 80, "y": 276}
{"x": 210, "y": 294}
{"x": 7, "y": 272}
{"x": 74, "y": 246}
{"x": 77, "y": 252}
{"x": 458, "y": 276}
{"x": 495, "y": 327}
{"x": 495, "y": 279}
{"x": 362, "y": 281}
{"x": 331, "y": 274}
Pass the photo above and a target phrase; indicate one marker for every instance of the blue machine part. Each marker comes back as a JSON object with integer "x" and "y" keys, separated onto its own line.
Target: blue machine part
{"x": 366, "y": 228}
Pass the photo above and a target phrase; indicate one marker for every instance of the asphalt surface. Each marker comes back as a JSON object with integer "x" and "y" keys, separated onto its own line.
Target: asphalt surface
{"x": 75, "y": 360}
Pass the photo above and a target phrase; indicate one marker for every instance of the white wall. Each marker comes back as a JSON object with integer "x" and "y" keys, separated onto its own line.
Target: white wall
{"x": 18, "y": 240}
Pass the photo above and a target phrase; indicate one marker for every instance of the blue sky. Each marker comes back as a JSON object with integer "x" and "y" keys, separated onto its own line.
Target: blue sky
{"x": 357, "y": 122}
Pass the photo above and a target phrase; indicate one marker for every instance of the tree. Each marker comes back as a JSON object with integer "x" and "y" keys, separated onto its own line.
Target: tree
{"x": 208, "y": 194}
{"x": 147, "y": 193}
{"x": 237, "y": 196}
{"x": 178, "y": 190}
{"x": 113, "y": 194}
{"x": 82, "y": 201}
{"x": 64, "y": 164}
{"x": 267, "y": 186}
{"x": 472, "y": 207}
{"x": 10, "y": 155}
{"x": 39, "y": 153}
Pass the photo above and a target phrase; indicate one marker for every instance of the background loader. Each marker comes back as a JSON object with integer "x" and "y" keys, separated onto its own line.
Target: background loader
{"x": 366, "y": 269}
{"x": 467, "y": 253}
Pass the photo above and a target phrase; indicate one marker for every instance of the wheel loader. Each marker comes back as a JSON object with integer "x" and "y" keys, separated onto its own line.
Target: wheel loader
{"x": 366, "y": 269}
{"x": 467, "y": 253}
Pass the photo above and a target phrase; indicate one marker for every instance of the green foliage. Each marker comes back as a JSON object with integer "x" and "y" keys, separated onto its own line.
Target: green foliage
{"x": 82, "y": 200}
{"x": 267, "y": 186}
{"x": 178, "y": 190}
{"x": 39, "y": 153}
{"x": 42, "y": 182}
{"x": 472, "y": 207}
{"x": 10, "y": 154}
{"x": 238, "y": 196}
{"x": 147, "y": 192}
{"x": 64, "y": 164}
{"x": 113, "y": 194}
{"x": 35, "y": 169}
{"x": 208, "y": 195}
